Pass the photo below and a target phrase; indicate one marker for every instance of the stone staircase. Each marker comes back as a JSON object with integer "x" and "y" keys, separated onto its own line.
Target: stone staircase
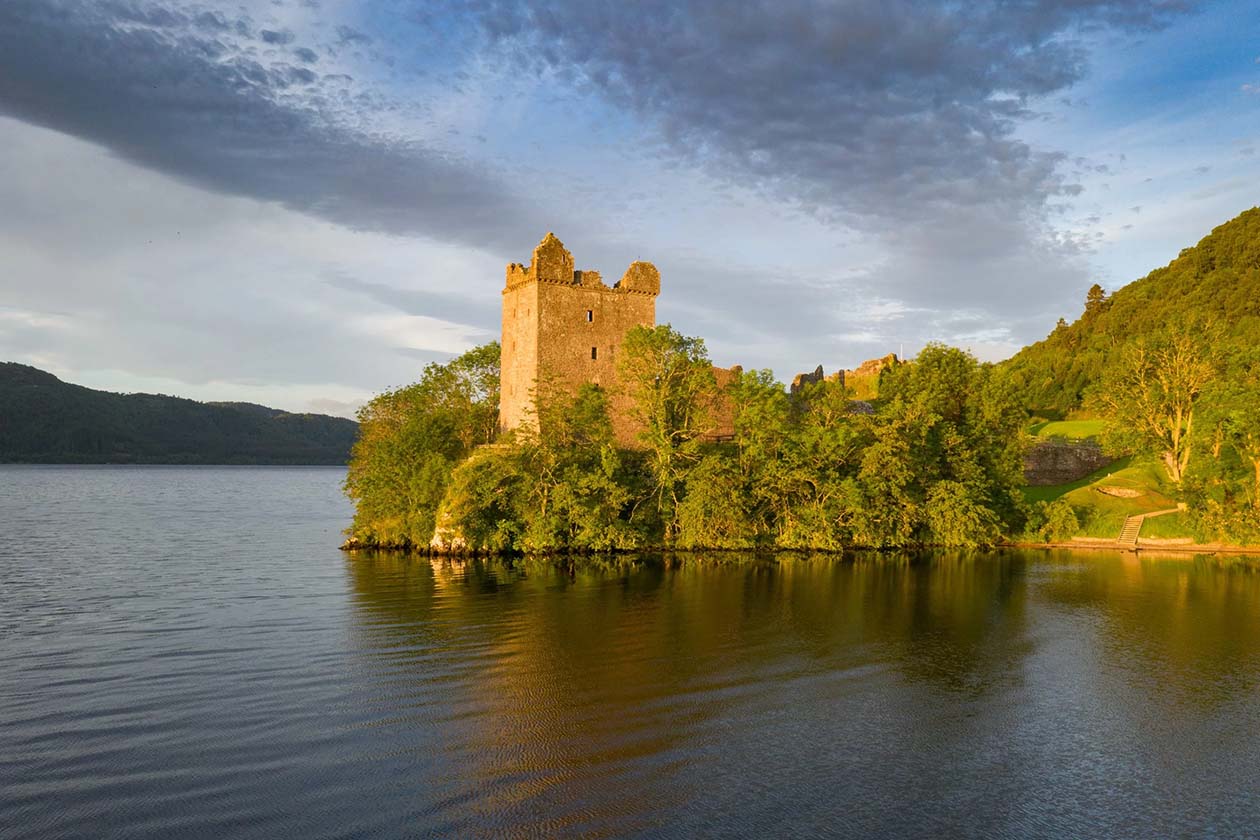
{"x": 1129, "y": 533}
{"x": 1133, "y": 527}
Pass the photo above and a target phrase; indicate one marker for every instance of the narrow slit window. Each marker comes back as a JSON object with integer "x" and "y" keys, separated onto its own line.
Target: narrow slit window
{"x": 590, "y": 315}
{"x": 594, "y": 351}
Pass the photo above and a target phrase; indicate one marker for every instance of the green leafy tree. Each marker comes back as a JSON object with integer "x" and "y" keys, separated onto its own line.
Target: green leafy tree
{"x": 713, "y": 512}
{"x": 955, "y": 517}
{"x": 817, "y": 498}
{"x": 409, "y": 442}
{"x": 670, "y": 381}
{"x": 1152, "y": 395}
{"x": 483, "y": 508}
{"x": 1059, "y": 521}
{"x": 1095, "y": 300}
{"x": 578, "y": 490}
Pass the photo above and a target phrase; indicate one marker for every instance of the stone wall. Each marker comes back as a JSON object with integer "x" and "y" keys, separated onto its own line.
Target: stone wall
{"x": 802, "y": 379}
{"x": 722, "y": 412}
{"x": 1054, "y": 462}
{"x": 864, "y": 379}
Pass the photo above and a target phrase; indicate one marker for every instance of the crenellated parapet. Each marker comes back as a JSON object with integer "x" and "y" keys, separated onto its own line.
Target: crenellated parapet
{"x": 552, "y": 263}
{"x": 641, "y": 278}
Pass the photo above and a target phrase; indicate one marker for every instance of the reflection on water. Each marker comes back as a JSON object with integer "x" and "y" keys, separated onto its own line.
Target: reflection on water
{"x": 994, "y": 693}
{"x": 184, "y": 653}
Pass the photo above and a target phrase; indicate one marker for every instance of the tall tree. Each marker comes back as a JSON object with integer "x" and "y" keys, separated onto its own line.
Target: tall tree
{"x": 410, "y": 440}
{"x": 1237, "y": 405}
{"x": 1095, "y": 300}
{"x": 1153, "y": 392}
{"x": 670, "y": 381}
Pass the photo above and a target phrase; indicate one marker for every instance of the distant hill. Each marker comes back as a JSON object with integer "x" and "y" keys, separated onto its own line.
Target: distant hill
{"x": 45, "y": 420}
{"x": 1217, "y": 283}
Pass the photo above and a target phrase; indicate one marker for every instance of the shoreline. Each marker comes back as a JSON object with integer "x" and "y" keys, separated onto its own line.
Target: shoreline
{"x": 1147, "y": 546}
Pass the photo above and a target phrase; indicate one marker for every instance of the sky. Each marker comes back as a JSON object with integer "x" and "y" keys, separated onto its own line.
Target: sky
{"x": 300, "y": 203}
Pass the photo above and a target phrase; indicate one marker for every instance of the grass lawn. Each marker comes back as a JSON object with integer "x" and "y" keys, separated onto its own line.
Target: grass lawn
{"x": 1071, "y": 429}
{"x": 1172, "y": 526}
{"x": 1102, "y": 515}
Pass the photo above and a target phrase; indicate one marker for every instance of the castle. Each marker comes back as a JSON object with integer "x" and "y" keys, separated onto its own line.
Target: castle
{"x": 565, "y": 327}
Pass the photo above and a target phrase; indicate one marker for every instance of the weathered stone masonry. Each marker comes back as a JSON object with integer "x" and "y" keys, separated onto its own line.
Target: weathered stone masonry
{"x": 564, "y": 327}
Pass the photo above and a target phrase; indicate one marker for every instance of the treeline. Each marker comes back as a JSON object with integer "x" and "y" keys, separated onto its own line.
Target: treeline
{"x": 1215, "y": 282}
{"x": 936, "y": 459}
{"x": 45, "y": 420}
{"x": 1174, "y": 360}
{"x": 1192, "y": 402}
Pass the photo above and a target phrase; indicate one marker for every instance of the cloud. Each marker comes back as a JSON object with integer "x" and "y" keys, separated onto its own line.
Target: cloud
{"x": 1250, "y": 88}
{"x": 112, "y": 269}
{"x": 817, "y": 181}
{"x": 200, "y": 97}
{"x": 417, "y": 301}
{"x": 876, "y": 111}
{"x": 895, "y": 119}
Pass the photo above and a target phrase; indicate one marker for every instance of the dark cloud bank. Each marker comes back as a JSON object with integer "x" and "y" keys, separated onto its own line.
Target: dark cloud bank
{"x": 211, "y": 100}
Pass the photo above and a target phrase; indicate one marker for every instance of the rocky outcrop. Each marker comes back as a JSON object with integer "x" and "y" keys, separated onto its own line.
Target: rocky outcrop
{"x": 1060, "y": 461}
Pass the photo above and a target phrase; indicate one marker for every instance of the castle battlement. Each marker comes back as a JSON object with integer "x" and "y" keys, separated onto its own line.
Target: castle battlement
{"x": 552, "y": 263}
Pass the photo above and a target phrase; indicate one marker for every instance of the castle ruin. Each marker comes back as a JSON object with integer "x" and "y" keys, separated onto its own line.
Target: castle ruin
{"x": 565, "y": 327}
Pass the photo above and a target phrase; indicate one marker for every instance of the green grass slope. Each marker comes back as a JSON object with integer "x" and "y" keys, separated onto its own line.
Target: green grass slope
{"x": 1101, "y": 515}
{"x": 1070, "y": 429}
{"x": 1216, "y": 281}
{"x": 45, "y": 420}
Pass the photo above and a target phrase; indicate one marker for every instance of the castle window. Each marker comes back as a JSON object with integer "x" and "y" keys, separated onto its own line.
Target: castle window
{"x": 593, "y": 351}
{"x": 590, "y": 316}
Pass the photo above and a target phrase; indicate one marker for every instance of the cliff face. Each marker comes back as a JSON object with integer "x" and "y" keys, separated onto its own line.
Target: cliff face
{"x": 1059, "y": 462}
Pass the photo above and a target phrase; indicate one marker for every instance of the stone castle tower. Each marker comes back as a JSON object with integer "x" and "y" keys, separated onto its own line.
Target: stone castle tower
{"x": 567, "y": 327}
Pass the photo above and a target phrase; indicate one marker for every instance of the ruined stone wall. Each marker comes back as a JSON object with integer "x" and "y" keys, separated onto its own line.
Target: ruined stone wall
{"x": 864, "y": 379}
{"x": 803, "y": 379}
{"x": 566, "y": 327}
{"x": 1053, "y": 462}
{"x": 722, "y": 411}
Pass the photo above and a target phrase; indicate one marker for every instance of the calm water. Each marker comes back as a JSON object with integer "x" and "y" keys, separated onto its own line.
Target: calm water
{"x": 184, "y": 652}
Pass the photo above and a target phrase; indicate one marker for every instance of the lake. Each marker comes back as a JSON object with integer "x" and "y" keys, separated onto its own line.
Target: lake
{"x": 185, "y": 652}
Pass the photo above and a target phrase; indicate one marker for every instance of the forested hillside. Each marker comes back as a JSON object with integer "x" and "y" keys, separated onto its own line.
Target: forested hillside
{"x": 1211, "y": 290}
{"x": 45, "y": 420}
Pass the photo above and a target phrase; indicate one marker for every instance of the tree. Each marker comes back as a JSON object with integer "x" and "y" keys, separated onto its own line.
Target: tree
{"x": 670, "y": 381}
{"x": 577, "y": 490}
{"x": 411, "y": 439}
{"x": 1095, "y": 300}
{"x": 712, "y": 514}
{"x": 1234, "y": 403}
{"x": 1152, "y": 394}
{"x": 815, "y": 495}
